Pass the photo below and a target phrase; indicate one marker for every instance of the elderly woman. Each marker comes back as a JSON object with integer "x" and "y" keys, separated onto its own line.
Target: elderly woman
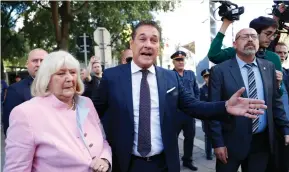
{"x": 57, "y": 130}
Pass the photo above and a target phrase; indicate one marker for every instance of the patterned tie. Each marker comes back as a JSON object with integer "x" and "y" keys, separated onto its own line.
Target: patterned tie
{"x": 252, "y": 92}
{"x": 144, "y": 129}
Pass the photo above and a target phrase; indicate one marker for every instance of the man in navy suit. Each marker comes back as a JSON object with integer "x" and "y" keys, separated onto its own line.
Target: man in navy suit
{"x": 19, "y": 92}
{"x": 241, "y": 141}
{"x": 139, "y": 102}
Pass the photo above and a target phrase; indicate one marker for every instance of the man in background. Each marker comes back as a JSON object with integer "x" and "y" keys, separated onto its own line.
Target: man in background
{"x": 204, "y": 96}
{"x": 126, "y": 56}
{"x": 19, "y": 92}
{"x": 185, "y": 122}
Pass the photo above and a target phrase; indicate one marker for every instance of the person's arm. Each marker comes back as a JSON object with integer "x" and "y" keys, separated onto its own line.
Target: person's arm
{"x": 12, "y": 100}
{"x": 198, "y": 109}
{"x": 279, "y": 114}
{"x": 216, "y": 54}
{"x": 215, "y": 91}
{"x": 196, "y": 87}
{"x": 20, "y": 145}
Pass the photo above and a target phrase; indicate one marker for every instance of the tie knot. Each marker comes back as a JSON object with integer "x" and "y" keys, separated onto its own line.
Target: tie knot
{"x": 144, "y": 72}
{"x": 249, "y": 65}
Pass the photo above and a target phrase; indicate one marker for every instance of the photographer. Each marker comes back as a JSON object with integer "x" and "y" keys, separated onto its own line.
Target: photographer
{"x": 266, "y": 28}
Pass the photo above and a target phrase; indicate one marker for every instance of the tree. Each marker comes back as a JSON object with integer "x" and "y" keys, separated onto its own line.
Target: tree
{"x": 57, "y": 24}
{"x": 13, "y": 44}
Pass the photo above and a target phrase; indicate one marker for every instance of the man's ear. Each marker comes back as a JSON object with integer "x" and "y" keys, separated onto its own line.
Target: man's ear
{"x": 234, "y": 44}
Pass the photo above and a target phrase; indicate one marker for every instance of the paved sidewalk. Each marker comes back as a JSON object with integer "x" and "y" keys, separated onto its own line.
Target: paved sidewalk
{"x": 199, "y": 157}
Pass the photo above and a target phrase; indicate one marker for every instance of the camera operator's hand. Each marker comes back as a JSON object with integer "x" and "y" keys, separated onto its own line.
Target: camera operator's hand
{"x": 226, "y": 23}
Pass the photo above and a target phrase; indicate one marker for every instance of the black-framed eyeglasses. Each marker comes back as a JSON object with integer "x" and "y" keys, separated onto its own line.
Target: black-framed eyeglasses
{"x": 270, "y": 34}
{"x": 247, "y": 36}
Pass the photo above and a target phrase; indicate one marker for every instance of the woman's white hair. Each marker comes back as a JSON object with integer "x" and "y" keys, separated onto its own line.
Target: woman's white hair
{"x": 52, "y": 63}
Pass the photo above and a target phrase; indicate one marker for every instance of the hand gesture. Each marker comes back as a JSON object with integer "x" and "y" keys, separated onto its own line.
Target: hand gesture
{"x": 239, "y": 106}
{"x": 279, "y": 76}
{"x": 99, "y": 165}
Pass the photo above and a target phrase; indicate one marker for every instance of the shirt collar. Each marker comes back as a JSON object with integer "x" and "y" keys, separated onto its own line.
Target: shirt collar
{"x": 241, "y": 63}
{"x": 135, "y": 68}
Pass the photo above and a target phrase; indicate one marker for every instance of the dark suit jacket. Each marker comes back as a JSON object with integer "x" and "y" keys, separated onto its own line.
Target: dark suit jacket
{"x": 114, "y": 100}
{"x": 225, "y": 80}
{"x": 17, "y": 93}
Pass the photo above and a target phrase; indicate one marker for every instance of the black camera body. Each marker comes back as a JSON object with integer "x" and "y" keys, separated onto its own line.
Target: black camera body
{"x": 285, "y": 15}
{"x": 226, "y": 10}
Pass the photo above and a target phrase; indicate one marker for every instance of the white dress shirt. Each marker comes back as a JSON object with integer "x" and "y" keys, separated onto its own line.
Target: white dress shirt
{"x": 156, "y": 137}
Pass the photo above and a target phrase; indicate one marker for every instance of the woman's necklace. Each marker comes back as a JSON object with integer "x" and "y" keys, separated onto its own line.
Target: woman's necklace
{"x": 73, "y": 105}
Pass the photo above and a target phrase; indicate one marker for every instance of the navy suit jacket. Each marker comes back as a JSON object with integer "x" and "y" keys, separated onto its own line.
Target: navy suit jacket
{"x": 17, "y": 93}
{"x": 236, "y": 134}
{"x": 114, "y": 100}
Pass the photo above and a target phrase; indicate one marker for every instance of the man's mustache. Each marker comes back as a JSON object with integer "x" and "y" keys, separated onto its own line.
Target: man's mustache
{"x": 250, "y": 44}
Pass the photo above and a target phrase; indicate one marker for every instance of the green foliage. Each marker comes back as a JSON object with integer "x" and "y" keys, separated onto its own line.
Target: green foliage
{"x": 116, "y": 16}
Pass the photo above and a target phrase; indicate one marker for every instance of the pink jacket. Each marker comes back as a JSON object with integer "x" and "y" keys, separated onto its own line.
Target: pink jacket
{"x": 44, "y": 136}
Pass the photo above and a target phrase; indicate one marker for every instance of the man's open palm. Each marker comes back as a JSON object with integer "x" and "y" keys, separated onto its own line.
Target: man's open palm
{"x": 239, "y": 106}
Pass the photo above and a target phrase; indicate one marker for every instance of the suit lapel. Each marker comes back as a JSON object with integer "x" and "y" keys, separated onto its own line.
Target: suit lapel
{"x": 126, "y": 84}
{"x": 161, "y": 81}
{"x": 263, "y": 68}
{"x": 236, "y": 74}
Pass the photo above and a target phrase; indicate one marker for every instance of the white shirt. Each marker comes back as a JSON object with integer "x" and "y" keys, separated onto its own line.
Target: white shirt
{"x": 156, "y": 137}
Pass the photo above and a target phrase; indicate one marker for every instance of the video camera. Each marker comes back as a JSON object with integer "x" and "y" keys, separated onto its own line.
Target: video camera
{"x": 282, "y": 16}
{"x": 227, "y": 11}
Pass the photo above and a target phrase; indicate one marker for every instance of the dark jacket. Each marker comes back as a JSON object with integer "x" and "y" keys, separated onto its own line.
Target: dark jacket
{"x": 17, "y": 93}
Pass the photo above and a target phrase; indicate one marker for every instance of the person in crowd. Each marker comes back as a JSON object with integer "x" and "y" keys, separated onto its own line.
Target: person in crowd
{"x": 242, "y": 141}
{"x": 266, "y": 28}
{"x": 204, "y": 96}
{"x": 140, "y": 101}
{"x": 17, "y": 78}
{"x": 19, "y": 92}
{"x": 186, "y": 123}
{"x": 126, "y": 56}
{"x": 282, "y": 50}
{"x": 87, "y": 81}
{"x": 283, "y": 166}
{"x": 57, "y": 130}
{"x": 97, "y": 73}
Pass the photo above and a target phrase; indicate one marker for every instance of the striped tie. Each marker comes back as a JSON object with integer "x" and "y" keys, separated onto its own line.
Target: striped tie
{"x": 252, "y": 92}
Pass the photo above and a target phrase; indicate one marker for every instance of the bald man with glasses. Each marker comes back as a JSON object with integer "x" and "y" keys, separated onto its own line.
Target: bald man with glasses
{"x": 244, "y": 142}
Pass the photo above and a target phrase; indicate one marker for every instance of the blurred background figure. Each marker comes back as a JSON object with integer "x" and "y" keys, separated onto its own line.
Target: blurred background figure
{"x": 17, "y": 78}
{"x": 87, "y": 81}
{"x": 186, "y": 123}
{"x": 19, "y": 92}
{"x": 204, "y": 96}
{"x": 126, "y": 56}
{"x": 57, "y": 130}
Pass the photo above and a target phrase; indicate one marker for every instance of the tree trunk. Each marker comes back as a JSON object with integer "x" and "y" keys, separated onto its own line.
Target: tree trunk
{"x": 65, "y": 23}
{"x": 55, "y": 20}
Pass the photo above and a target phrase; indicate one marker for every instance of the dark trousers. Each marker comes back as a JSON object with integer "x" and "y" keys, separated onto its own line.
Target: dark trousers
{"x": 208, "y": 140}
{"x": 256, "y": 161}
{"x": 155, "y": 164}
{"x": 188, "y": 125}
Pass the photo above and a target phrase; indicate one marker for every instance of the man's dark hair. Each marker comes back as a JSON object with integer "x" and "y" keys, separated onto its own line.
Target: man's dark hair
{"x": 262, "y": 23}
{"x": 145, "y": 23}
